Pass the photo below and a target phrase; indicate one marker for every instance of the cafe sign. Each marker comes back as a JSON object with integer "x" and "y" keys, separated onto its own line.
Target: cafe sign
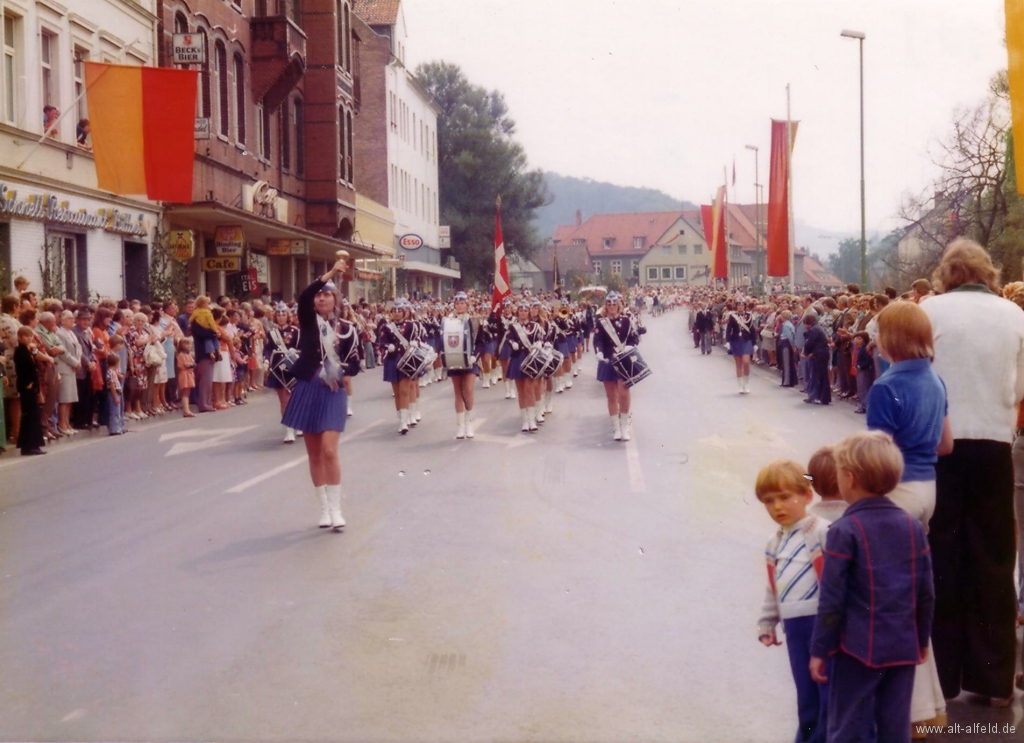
{"x": 49, "y": 208}
{"x": 181, "y": 244}
{"x": 229, "y": 240}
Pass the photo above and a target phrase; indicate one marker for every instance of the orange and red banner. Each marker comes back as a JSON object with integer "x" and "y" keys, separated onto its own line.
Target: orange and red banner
{"x": 713, "y": 218}
{"x": 143, "y": 129}
{"x": 778, "y": 200}
{"x": 1015, "y": 73}
{"x": 501, "y": 282}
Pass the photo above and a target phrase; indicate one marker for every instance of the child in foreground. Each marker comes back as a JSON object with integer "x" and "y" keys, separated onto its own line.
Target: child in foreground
{"x": 875, "y": 611}
{"x": 795, "y": 561}
{"x": 822, "y": 471}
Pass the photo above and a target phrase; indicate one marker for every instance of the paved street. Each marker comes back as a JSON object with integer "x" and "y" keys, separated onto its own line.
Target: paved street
{"x": 172, "y": 584}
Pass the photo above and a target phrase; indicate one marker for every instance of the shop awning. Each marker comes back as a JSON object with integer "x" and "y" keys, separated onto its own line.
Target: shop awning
{"x": 430, "y": 268}
{"x": 208, "y": 215}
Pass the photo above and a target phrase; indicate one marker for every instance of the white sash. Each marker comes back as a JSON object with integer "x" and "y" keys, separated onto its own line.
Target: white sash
{"x": 331, "y": 371}
{"x": 610, "y": 330}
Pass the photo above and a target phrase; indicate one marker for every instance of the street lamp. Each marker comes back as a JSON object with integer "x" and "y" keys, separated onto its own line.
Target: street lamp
{"x": 859, "y": 36}
{"x": 757, "y": 214}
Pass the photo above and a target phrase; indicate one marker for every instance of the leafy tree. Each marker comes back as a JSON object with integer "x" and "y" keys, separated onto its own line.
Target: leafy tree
{"x": 478, "y": 160}
{"x": 845, "y": 262}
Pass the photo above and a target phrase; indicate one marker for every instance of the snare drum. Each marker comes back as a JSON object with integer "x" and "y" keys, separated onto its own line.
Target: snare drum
{"x": 281, "y": 365}
{"x": 455, "y": 343}
{"x": 557, "y": 357}
{"x": 541, "y": 362}
{"x": 631, "y": 367}
{"x": 415, "y": 359}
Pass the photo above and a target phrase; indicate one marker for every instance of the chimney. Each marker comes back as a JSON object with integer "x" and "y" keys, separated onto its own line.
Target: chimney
{"x": 579, "y": 217}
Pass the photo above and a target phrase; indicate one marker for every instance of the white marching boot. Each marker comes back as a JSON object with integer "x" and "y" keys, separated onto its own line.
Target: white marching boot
{"x": 626, "y": 426}
{"x": 350, "y": 412}
{"x": 508, "y": 390}
{"x": 746, "y": 385}
{"x": 568, "y": 381}
{"x": 289, "y": 435}
{"x": 538, "y": 411}
{"x": 334, "y": 501}
{"x": 325, "y": 508}
{"x": 487, "y": 380}
{"x": 549, "y": 405}
{"x": 559, "y": 385}
{"x": 414, "y": 410}
{"x": 739, "y": 381}
{"x": 617, "y": 428}
{"x": 469, "y": 424}
{"x": 460, "y": 432}
{"x": 531, "y": 417}
{"x": 403, "y": 421}
{"x": 524, "y": 415}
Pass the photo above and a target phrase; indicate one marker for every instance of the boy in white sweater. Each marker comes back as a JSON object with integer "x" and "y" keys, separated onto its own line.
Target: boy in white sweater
{"x": 795, "y": 559}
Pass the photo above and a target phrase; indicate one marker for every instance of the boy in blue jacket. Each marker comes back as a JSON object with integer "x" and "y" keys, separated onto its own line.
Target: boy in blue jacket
{"x": 875, "y": 611}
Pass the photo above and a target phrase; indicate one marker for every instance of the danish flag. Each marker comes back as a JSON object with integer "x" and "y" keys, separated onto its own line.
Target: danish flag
{"x": 501, "y": 283}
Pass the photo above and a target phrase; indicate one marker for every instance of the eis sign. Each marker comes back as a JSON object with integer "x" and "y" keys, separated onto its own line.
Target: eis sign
{"x": 188, "y": 49}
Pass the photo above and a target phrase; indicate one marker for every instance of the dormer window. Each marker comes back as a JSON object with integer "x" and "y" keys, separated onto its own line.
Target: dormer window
{"x": 579, "y": 241}
{"x": 638, "y": 243}
{"x": 607, "y": 243}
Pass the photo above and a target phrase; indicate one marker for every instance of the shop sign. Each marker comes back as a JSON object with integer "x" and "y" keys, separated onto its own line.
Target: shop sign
{"x": 221, "y": 264}
{"x": 202, "y": 128}
{"x": 411, "y": 242}
{"x": 229, "y": 240}
{"x": 250, "y": 283}
{"x": 187, "y": 49}
{"x": 261, "y": 266}
{"x": 181, "y": 244}
{"x": 284, "y": 246}
{"x": 366, "y": 275}
{"x": 48, "y": 208}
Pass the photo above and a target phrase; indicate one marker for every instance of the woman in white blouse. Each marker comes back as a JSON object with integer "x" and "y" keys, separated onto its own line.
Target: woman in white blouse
{"x": 67, "y": 364}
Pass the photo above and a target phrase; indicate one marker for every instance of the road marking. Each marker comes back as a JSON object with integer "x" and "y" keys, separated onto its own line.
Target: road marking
{"x": 636, "y": 474}
{"x": 242, "y": 487}
{"x": 215, "y": 437}
{"x": 267, "y": 475}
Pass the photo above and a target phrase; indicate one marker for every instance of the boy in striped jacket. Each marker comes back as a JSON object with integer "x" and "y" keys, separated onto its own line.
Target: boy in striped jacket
{"x": 795, "y": 560}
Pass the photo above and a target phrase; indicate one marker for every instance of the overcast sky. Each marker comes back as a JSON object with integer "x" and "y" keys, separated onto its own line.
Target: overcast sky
{"x": 665, "y": 93}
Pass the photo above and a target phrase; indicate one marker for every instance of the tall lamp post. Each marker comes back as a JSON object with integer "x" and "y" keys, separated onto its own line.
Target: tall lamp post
{"x": 757, "y": 217}
{"x": 859, "y": 36}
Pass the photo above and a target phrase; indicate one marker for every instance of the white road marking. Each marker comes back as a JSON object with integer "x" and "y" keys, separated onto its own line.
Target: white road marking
{"x": 215, "y": 437}
{"x": 267, "y": 475}
{"x": 636, "y": 474}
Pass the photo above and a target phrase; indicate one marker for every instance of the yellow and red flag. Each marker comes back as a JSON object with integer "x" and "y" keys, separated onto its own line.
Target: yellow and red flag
{"x": 143, "y": 129}
{"x": 1015, "y": 74}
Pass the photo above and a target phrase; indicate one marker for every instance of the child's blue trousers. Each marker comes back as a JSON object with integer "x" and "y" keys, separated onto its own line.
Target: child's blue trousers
{"x": 811, "y": 697}
{"x": 869, "y": 704}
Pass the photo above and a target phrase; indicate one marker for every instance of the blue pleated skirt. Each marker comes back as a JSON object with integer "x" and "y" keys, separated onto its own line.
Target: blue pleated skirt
{"x": 490, "y": 347}
{"x": 563, "y": 347}
{"x": 574, "y": 343}
{"x": 606, "y": 372}
{"x": 391, "y": 370}
{"x": 515, "y": 366}
{"x": 313, "y": 408}
{"x": 741, "y": 348}
{"x": 506, "y": 352}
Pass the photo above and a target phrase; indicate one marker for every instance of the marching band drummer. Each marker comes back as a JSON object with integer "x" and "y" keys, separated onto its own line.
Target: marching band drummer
{"x": 564, "y": 341}
{"x": 393, "y": 335}
{"x": 489, "y": 350}
{"x": 463, "y": 380}
{"x": 614, "y": 331}
{"x": 317, "y": 405}
{"x": 502, "y": 324}
{"x": 284, "y": 336}
{"x": 538, "y": 317}
{"x": 739, "y": 334}
{"x": 520, "y": 336}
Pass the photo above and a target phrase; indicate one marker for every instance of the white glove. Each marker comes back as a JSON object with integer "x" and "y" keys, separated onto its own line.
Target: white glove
{"x": 391, "y": 348}
{"x": 472, "y": 360}
{"x": 627, "y": 349}
{"x": 515, "y": 346}
{"x": 601, "y": 359}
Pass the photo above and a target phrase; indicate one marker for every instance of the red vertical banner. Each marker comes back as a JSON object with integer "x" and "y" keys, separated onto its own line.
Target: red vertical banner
{"x": 707, "y": 219}
{"x": 721, "y": 243}
{"x": 501, "y": 282}
{"x": 778, "y": 202}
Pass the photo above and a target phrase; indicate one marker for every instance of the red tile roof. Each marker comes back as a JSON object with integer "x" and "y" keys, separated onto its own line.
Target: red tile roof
{"x": 377, "y": 12}
{"x": 621, "y": 229}
{"x": 815, "y": 273}
{"x": 570, "y": 258}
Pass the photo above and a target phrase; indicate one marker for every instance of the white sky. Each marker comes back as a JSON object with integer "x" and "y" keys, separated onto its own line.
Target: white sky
{"x": 664, "y": 93}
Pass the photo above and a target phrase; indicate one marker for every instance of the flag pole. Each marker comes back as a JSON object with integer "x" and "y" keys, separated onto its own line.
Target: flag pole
{"x": 789, "y": 195}
{"x": 74, "y": 105}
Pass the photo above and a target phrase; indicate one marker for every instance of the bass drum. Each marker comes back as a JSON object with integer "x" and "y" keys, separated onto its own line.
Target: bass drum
{"x": 631, "y": 367}
{"x": 455, "y": 343}
{"x": 415, "y": 360}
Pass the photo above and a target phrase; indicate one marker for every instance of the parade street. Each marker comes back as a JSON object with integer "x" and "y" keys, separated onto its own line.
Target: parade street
{"x": 173, "y": 585}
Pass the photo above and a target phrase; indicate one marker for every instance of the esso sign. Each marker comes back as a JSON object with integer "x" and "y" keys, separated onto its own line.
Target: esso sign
{"x": 411, "y": 242}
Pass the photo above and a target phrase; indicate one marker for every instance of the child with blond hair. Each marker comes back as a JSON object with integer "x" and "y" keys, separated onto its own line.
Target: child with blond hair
{"x": 877, "y": 598}
{"x": 822, "y": 471}
{"x": 185, "y": 365}
{"x": 795, "y": 560}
